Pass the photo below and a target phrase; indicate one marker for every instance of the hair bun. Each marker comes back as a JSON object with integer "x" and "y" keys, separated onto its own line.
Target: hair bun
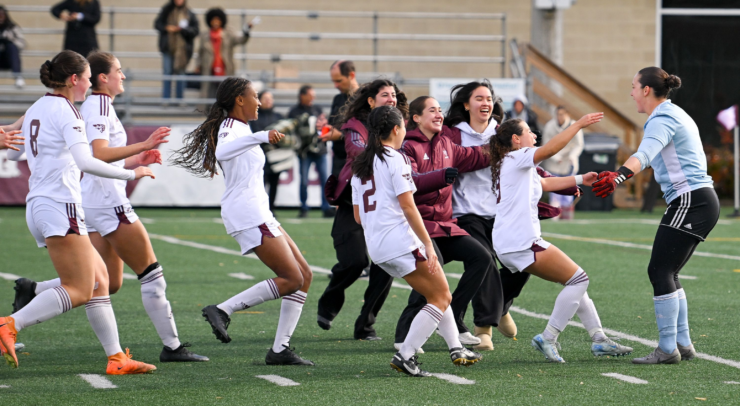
{"x": 673, "y": 82}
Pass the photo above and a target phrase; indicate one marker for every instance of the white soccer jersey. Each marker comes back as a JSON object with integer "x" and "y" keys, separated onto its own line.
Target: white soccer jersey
{"x": 101, "y": 123}
{"x": 244, "y": 204}
{"x": 472, "y": 192}
{"x": 517, "y": 226}
{"x": 387, "y": 233}
{"x": 52, "y": 125}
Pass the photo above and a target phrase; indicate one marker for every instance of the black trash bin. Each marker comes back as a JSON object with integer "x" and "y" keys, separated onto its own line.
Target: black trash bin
{"x": 599, "y": 154}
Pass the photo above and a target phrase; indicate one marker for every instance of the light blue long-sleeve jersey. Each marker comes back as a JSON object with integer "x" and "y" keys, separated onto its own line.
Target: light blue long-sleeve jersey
{"x": 672, "y": 146}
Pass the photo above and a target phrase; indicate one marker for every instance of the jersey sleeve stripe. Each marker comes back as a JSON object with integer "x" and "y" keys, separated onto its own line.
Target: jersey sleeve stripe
{"x": 74, "y": 109}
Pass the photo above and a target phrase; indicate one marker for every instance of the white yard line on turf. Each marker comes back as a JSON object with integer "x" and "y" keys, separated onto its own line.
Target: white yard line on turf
{"x": 97, "y": 381}
{"x": 278, "y": 380}
{"x": 454, "y": 379}
{"x": 689, "y": 277}
{"x": 632, "y": 245}
{"x": 4, "y": 386}
{"x": 515, "y": 309}
{"x": 9, "y": 276}
{"x": 130, "y": 276}
{"x": 626, "y": 378}
{"x": 732, "y": 383}
{"x": 242, "y": 276}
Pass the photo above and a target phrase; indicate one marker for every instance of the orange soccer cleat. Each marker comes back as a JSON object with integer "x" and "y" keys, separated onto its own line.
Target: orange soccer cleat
{"x": 122, "y": 364}
{"x": 7, "y": 340}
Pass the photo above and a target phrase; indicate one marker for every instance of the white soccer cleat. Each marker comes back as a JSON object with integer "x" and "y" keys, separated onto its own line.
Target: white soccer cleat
{"x": 548, "y": 348}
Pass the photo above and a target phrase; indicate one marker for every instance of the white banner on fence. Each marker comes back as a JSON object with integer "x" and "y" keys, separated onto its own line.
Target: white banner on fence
{"x": 173, "y": 186}
{"x": 507, "y": 89}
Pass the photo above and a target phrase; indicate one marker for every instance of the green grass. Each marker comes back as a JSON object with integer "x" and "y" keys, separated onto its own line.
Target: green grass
{"x": 354, "y": 372}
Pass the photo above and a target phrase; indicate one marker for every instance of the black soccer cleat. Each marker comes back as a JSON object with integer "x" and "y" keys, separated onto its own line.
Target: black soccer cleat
{"x": 180, "y": 354}
{"x": 323, "y": 322}
{"x": 25, "y": 291}
{"x": 219, "y": 322}
{"x": 286, "y": 357}
{"x": 464, "y": 356}
{"x": 408, "y": 366}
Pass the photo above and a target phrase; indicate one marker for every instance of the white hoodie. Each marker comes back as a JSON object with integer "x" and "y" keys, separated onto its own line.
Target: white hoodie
{"x": 472, "y": 192}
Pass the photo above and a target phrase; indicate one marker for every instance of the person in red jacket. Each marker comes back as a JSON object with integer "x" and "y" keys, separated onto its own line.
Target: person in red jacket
{"x": 436, "y": 162}
{"x": 349, "y": 240}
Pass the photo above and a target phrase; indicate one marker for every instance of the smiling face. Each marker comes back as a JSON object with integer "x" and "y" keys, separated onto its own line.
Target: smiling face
{"x": 526, "y": 139}
{"x": 80, "y": 84}
{"x": 639, "y": 93}
{"x": 431, "y": 117}
{"x": 480, "y": 105}
{"x": 385, "y": 97}
{"x": 249, "y": 103}
{"x": 113, "y": 81}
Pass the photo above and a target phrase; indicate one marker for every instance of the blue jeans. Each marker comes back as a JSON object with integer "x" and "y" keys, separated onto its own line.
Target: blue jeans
{"x": 320, "y": 161}
{"x": 10, "y": 57}
{"x": 168, "y": 62}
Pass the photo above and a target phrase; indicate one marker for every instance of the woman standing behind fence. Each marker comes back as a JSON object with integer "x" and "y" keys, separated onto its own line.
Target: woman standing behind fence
{"x": 81, "y": 16}
{"x": 177, "y": 28}
{"x": 216, "y": 52}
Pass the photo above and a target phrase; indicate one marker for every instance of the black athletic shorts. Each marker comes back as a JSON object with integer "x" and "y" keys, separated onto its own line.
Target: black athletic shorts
{"x": 695, "y": 213}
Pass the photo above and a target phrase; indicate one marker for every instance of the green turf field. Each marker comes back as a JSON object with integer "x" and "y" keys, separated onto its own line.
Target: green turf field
{"x": 351, "y": 372}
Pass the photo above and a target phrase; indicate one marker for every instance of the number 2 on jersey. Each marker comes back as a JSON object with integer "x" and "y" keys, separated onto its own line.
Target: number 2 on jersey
{"x": 366, "y": 206}
{"x": 35, "y": 126}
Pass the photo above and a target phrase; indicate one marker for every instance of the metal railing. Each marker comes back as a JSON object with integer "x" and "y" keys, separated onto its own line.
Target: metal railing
{"x": 112, "y": 32}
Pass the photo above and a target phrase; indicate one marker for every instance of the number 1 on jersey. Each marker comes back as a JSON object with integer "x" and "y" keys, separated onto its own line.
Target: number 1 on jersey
{"x": 366, "y": 206}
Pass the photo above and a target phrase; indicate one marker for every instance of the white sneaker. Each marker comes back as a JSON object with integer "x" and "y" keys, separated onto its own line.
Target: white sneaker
{"x": 398, "y": 346}
{"x": 20, "y": 83}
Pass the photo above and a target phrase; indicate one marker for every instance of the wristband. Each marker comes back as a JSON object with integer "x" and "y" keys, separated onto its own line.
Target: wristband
{"x": 579, "y": 180}
{"x": 624, "y": 174}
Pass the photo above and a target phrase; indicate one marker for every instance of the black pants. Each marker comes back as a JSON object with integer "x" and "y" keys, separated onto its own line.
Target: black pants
{"x": 272, "y": 179}
{"x": 10, "y": 56}
{"x": 478, "y": 263}
{"x": 349, "y": 243}
{"x": 688, "y": 221}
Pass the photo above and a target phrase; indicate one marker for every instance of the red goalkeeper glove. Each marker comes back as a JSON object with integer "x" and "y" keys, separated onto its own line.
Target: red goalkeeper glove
{"x": 607, "y": 181}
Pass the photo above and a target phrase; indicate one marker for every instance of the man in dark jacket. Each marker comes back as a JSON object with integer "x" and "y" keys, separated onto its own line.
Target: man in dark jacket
{"x": 178, "y": 27}
{"x": 343, "y": 75}
{"x": 81, "y": 17}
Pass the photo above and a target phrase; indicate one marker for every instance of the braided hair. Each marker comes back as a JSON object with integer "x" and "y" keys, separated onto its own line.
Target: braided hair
{"x": 357, "y": 106}
{"x": 380, "y": 124}
{"x": 198, "y": 156}
{"x": 500, "y": 145}
{"x": 54, "y": 73}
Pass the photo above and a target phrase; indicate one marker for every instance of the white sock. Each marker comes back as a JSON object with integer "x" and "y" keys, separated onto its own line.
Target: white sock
{"x": 257, "y": 294}
{"x": 448, "y": 329}
{"x": 158, "y": 307}
{"x": 424, "y": 324}
{"x": 46, "y": 285}
{"x": 590, "y": 319}
{"x": 103, "y": 321}
{"x": 566, "y": 304}
{"x": 46, "y": 305}
{"x": 290, "y": 312}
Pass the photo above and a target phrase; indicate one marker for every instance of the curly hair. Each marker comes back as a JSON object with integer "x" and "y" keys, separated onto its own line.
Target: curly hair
{"x": 357, "y": 106}
{"x": 198, "y": 155}
{"x": 500, "y": 145}
{"x": 380, "y": 123}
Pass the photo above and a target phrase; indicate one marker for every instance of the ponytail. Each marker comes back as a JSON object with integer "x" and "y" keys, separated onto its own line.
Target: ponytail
{"x": 500, "y": 145}
{"x": 380, "y": 124}
{"x": 198, "y": 156}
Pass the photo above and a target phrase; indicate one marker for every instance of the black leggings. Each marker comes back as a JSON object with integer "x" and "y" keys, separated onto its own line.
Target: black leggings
{"x": 671, "y": 251}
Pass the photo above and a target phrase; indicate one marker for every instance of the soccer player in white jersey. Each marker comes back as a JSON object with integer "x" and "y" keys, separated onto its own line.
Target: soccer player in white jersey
{"x": 115, "y": 230}
{"x": 225, "y": 140}
{"x": 516, "y": 233}
{"x": 382, "y": 196}
{"x": 672, "y": 146}
{"x": 57, "y": 150}
{"x": 9, "y": 135}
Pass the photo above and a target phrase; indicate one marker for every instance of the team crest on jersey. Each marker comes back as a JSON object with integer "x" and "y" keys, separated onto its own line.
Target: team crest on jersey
{"x": 79, "y": 129}
{"x": 407, "y": 176}
{"x": 100, "y": 127}
{"x": 426, "y": 157}
{"x": 445, "y": 152}
{"x": 222, "y": 135}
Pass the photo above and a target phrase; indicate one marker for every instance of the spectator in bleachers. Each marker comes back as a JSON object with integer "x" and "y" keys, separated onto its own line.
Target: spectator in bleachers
{"x": 343, "y": 75}
{"x": 81, "y": 16}
{"x": 178, "y": 27}
{"x": 522, "y": 111}
{"x": 216, "y": 53}
{"x": 11, "y": 44}
{"x": 267, "y": 113}
{"x": 313, "y": 150}
{"x": 565, "y": 162}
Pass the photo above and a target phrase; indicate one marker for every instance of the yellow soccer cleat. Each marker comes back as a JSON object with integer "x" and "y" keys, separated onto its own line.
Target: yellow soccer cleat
{"x": 122, "y": 364}
{"x": 8, "y": 335}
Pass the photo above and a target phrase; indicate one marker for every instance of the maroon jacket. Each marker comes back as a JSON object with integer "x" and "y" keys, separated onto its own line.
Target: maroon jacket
{"x": 355, "y": 138}
{"x": 546, "y": 211}
{"x": 429, "y": 159}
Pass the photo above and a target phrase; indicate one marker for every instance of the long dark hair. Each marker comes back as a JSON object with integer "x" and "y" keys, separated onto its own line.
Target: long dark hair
{"x": 461, "y": 94}
{"x": 380, "y": 124}
{"x": 198, "y": 156}
{"x": 416, "y": 108}
{"x": 659, "y": 80}
{"x": 357, "y": 106}
{"x": 500, "y": 145}
{"x": 54, "y": 73}
{"x": 8, "y": 23}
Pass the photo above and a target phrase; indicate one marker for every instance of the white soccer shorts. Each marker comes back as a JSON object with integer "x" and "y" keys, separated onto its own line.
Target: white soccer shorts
{"x": 48, "y": 218}
{"x": 252, "y": 238}
{"x": 107, "y": 220}
{"x": 405, "y": 264}
{"x": 518, "y": 261}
